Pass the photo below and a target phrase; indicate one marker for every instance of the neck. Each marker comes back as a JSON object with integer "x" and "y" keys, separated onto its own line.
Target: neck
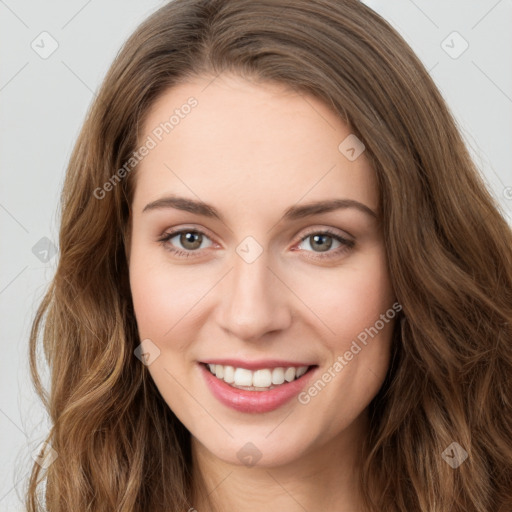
{"x": 325, "y": 478}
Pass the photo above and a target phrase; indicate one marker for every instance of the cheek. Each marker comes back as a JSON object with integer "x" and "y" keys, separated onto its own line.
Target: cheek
{"x": 354, "y": 308}
{"x": 349, "y": 298}
{"x": 163, "y": 294}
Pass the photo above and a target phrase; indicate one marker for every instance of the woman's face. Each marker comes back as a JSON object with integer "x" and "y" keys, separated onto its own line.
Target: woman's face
{"x": 231, "y": 263}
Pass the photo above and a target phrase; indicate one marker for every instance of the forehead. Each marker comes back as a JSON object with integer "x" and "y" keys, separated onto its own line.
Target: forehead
{"x": 248, "y": 141}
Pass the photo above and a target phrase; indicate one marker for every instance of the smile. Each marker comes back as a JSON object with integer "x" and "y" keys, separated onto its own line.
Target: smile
{"x": 259, "y": 380}
{"x": 255, "y": 391}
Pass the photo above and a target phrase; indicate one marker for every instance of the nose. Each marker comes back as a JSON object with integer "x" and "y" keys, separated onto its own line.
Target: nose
{"x": 254, "y": 301}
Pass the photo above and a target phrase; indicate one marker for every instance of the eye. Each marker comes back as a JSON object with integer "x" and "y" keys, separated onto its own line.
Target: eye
{"x": 191, "y": 240}
{"x": 322, "y": 242}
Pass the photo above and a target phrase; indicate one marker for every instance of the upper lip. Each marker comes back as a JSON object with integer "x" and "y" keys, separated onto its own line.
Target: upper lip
{"x": 256, "y": 365}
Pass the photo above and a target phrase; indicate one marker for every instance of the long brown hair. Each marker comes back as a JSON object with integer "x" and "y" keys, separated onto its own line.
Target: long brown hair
{"x": 449, "y": 252}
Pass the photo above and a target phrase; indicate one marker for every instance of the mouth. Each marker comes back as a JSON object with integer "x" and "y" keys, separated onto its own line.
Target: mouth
{"x": 262, "y": 379}
{"x": 255, "y": 391}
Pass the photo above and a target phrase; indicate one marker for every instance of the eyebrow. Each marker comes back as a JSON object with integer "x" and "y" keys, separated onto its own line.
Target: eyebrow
{"x": 292, "y": 213}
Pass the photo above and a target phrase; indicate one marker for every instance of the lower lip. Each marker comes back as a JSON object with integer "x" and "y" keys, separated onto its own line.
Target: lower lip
{"x": 254, "y": 401}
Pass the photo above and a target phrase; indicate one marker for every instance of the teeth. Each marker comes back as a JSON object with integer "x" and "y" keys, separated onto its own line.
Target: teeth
{"x": 243, "y": 377}
{"x": 289, "y": 374}
{"x": 219, "y": 371}
{"x": 301, "y": 371}
{"x": 262, "y": 379}
{"x": 277, "y": 376}
{"x": 229, "y": 374}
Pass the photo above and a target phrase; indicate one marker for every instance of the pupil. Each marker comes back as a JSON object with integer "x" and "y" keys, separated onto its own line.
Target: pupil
{"x": 188, "y": 238}
{"x": 322, "y": 247}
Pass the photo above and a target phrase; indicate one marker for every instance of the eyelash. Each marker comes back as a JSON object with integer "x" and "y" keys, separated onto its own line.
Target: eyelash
{"x": 346, "y": 245}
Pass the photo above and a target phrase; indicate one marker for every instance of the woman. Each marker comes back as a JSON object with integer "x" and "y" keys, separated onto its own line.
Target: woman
{"x": 205, "y": 354}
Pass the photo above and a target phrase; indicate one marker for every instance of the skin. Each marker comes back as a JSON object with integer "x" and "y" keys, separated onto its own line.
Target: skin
{"x": 252, "y": 150}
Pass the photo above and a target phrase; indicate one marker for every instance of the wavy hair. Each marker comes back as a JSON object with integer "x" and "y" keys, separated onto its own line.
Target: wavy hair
{"x": 448, "y": 246}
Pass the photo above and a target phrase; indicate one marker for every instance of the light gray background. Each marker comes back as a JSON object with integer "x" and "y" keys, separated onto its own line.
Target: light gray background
{"x": 43, "y": 103}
